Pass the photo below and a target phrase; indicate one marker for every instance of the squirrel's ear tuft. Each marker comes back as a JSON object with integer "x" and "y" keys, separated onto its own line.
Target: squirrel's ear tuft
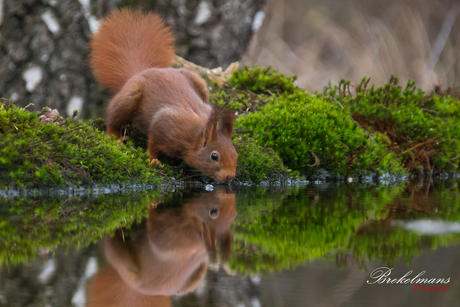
{"x": 227, "y": 120}
{"x": 210, "y": 131}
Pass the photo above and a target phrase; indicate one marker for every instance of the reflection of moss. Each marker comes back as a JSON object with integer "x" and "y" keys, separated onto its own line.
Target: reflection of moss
{"x": 295, "y": 231}
{"x": 316, "y": 224}
{"x": 29, "y": 225}
{"x": 72, "y": 153}
{"x": 394, "y": 244}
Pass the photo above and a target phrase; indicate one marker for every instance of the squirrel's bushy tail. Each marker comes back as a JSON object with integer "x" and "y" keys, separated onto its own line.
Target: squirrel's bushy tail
{"x": 127, "y": 43}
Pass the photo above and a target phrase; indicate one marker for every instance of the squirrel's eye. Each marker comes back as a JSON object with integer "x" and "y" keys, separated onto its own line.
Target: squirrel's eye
{"x": 214, "y": 156}
{"x": 213, "y": 213}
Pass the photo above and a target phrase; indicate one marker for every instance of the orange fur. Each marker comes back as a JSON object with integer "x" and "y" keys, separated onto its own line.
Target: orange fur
{"x": 169, "y": 256}
{"x": 127, "y": 43}
{"x": 130, "y": 55}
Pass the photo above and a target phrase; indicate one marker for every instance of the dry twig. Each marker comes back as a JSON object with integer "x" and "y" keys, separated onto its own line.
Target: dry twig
{"x": 418, "y": 145}
{"x": 217, "y": 75}
{"x": 316, "y": 159}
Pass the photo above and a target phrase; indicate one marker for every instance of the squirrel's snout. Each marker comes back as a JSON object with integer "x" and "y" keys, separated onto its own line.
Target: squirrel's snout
{"x": 224, "y": 177}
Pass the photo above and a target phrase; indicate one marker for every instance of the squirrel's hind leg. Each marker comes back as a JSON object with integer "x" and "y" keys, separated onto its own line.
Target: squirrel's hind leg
{"x": 122, "y": 107}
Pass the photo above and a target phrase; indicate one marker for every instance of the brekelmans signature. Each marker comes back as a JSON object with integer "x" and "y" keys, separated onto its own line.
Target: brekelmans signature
{"x": 381, "y": 275}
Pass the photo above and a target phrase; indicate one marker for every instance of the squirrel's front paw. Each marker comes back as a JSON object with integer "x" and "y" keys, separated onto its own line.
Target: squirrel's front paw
{"x": 155, "y": 161}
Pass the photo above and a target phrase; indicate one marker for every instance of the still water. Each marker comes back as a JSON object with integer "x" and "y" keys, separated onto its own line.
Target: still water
{"x": 315, "y": 245}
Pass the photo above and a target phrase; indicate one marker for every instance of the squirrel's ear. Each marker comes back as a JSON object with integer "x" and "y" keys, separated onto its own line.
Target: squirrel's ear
{"x": 225, "y": 244}
{"x": 227, "y": 120}
{"x": 210, "y": 243}
{"x": 210, "y": 131}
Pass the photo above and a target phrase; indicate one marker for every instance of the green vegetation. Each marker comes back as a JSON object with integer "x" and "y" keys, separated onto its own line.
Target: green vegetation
{"x": 423, "y": 129}
{"x": 276, "y": 228}
{"x": 30, "y": 225}
{"x": 256, "y": 163}
{"x": 242, "y": 101}
{"x": 75, "y": 153}
{"x": 390, "y": 129}
{"x": 275, "y": 233}
{"x": 263, "y": 80}
{"x": 300, "y": 127}
{"x": 392, "y": 245}
{"x": 64, "y": 153}
{"x": 347, "y": 131}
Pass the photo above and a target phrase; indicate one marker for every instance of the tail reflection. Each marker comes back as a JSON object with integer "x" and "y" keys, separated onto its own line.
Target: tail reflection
{"x": 169, "y": 257}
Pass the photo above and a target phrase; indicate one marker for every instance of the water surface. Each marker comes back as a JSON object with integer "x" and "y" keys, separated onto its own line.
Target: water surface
{"x": 314, "y": 245}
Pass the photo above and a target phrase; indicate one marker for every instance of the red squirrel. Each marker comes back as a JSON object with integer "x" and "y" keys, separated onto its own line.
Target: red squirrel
{"x": 168, "y": 257}
{"x": 130, "y": 55}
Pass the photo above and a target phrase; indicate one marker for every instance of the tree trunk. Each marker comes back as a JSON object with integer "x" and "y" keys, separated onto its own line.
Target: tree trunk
{"x": 44, "y": 45}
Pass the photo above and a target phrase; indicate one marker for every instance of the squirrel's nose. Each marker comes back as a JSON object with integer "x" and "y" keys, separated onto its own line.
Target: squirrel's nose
{"x": 229, "y": 178}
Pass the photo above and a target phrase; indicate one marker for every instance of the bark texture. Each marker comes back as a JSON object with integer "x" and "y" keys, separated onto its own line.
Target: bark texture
{"x": 44, "y": 45}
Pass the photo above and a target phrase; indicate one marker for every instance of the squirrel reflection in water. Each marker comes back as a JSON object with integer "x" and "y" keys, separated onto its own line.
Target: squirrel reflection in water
{"x": 169, "y": 256}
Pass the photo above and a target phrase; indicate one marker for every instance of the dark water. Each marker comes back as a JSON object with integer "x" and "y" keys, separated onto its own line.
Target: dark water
{"x": 317, "y": 245}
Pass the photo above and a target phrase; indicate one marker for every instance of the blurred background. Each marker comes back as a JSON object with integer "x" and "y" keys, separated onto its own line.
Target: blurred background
{"x": 43, "y": 43}
{"x": 322, "y": 40}
{"x": 329, "y": 40}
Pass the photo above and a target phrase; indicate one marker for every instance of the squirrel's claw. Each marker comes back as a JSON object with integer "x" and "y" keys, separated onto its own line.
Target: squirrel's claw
{"x": 155, "y": 161}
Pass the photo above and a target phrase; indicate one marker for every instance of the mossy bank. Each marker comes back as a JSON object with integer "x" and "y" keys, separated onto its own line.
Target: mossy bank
{"x": 347, "y": 130}
{"x": 43, "y": 150}
{"x": 281, "y": 131}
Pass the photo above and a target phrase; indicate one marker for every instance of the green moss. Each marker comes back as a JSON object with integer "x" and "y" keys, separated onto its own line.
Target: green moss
{"x": 242, "y": 101}
{"x": 35, "y": 154}
{"x": 256, "y": 163}
{"x": 385, "y": 130}
{"x": 263, "y": 81}
{"x": 28, "y": 225}
{"x": 423, "y": 129}
{"x": 299, "y": 126}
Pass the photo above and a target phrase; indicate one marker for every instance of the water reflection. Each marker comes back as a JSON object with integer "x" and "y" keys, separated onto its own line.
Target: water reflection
{"x": 289, "y": 246}
{"x": 168, "y": 256}
{"x": 283, "y": 231}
